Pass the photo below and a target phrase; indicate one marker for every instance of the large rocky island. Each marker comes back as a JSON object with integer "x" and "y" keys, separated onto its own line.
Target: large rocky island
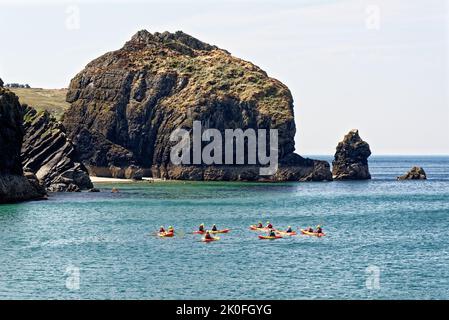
{"x": 126, "y": 103}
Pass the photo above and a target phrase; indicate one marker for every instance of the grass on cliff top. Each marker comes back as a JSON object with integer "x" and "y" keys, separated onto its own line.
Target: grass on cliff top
{"x": 52, "y": 100}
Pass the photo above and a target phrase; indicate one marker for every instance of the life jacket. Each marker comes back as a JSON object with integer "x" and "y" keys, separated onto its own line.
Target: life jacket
{"x": 214, "y": 228}
{"x": 201, "y": 228}
{"x": 270, "y": 226}
{"x": 208, "y": 236}
{"x": 319, "y": 230}
{"x": 289, "y": 230}
{"x": 161, "y": 230}
{"x": 260, "y": 225}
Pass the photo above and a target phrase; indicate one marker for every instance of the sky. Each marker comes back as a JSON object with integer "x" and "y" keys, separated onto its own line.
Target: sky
{"x": 380, "y": 66}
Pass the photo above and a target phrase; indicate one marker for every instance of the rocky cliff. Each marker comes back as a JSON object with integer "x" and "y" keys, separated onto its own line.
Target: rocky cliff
{"x": 351, "y": 158}
{"x": 14, "y": 185}
{"x": 48, "y": 153}
{"x": 126, "y": 103}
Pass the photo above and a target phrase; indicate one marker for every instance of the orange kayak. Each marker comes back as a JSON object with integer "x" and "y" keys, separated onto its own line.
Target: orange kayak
{"x": 166, "y": 234}
{"x": 312, "y": 234}
{"x": 213, "y": 232}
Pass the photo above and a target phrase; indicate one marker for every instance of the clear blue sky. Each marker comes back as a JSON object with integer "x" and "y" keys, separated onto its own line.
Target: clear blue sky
{"x": 380, "y": 65}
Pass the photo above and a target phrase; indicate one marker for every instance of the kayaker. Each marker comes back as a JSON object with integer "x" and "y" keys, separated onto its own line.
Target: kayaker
{"x": 289, "y": 229}
{"x": 161, "y": 229}
{"x": 214, "y": 228}
{"x": 171, "y": 230}
{"x": 201, "y": 228}
{"x": 208, "y": 236}
{"x": 310, "y": 229}
{"x": 318, "y": 229}
{"x": 272, "y": 233}
{"x": 260, "y": 225}
{"x": 269, "y": 225}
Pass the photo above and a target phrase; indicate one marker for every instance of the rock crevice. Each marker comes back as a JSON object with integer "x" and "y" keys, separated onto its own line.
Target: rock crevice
{"x": 48, "y": 153}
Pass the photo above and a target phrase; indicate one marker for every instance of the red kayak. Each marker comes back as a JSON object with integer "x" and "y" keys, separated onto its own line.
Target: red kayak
{"x": 211, "y": 239}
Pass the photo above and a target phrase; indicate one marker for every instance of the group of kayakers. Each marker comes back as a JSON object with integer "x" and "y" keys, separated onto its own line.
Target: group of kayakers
{"x": 272, "y": 232}
{"x": 170, "y": 230}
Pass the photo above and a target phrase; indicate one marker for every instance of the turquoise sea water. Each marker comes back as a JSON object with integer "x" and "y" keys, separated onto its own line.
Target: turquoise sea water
{"x": 398, "y": 228}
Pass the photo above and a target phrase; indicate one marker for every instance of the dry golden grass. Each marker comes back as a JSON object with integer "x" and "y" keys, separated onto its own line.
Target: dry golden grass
{"x": 52, "y": 100}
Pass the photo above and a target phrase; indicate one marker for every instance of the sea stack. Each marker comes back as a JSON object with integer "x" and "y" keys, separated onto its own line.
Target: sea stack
{"x": 48, "y": 153}
{"x": 351, "y": 158}
{"x": 14, "y": 185}
{"x": 416, "y": 173}
{"x": 126, "y": 104}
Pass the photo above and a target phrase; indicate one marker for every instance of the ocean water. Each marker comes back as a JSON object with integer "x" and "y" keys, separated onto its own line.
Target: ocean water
{"x": 385, "y": 240}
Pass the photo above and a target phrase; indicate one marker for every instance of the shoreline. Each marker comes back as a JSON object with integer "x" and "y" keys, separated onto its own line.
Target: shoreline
{"x": 95, "y": 179}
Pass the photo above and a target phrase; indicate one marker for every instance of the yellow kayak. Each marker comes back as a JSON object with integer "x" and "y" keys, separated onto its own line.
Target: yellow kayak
{"x": 312, "y": 234}
{"x": 284, "y": 233}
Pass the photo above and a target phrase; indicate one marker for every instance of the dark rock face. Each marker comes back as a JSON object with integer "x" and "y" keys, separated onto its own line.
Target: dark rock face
{"x": 48, "y": 153}
{"x": 351, "y": 158}
{"x": 126, "y": 103}
{"x": 416, "y": 173}
{"x": 14, "y": 185}
{"x": 1, "y": 83}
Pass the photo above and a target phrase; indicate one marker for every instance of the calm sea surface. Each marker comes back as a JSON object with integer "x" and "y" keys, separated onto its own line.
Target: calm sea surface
{"x": 386, "y": 240}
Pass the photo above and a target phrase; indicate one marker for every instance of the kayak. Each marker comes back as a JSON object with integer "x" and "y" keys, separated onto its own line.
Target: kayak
{"x": 284, "y": 233}
{"x": 265, "y": 229}
{"x": 213, "y": 232}
{"x": 269, "y": 237}
{"x": 220, "y": 231}
{"x": 166, "y": 234}
{"x": 312, "y": 234}
{"x": 210, "y": 240}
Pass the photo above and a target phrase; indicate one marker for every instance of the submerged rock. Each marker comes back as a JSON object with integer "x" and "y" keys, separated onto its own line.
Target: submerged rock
{"x": 48, "y": 153}
{"x": 351, "y": 158}
{"x": 416, "y": 173}
{"x": 14, "y": 185}
{"x": 126, "y": 103}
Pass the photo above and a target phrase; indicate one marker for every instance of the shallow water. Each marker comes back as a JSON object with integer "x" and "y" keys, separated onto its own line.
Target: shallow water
{"x": 401, "y": 228}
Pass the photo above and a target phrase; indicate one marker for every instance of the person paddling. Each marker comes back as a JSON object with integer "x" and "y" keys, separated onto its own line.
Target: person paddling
{"x": 272, "y": 233}
{"x": 260, "y": 225}
{"x": 171, "y": 230}
{"x": 214, "y": 228}
{"x": 269, "y": 225}
{"x": 208, "y": 236}
{"x": 319, "y": 229}
{"x": 289, "y": 229}
{"x": 201, "y": 228}
{"x": 161, "y": 229}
